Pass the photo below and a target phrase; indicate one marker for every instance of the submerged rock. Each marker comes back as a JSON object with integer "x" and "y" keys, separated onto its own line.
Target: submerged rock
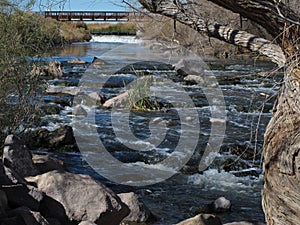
{"x": 95, "y": 96}
{"x": 143, "y": 68}
{"x": 78, "y": 110}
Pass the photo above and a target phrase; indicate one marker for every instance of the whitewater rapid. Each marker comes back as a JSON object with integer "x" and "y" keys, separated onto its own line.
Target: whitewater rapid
{"x": 115, "y": 39}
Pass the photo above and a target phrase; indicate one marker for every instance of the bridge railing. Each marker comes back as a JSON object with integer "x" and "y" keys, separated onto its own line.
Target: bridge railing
{"x": 88, "y": 15}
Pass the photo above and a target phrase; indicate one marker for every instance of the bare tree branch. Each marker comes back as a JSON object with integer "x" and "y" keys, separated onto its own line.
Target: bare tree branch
{"x": 184, "y": 15}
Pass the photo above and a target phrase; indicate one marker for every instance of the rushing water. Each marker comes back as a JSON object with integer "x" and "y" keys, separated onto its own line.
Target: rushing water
{"x": 248, "y": 102}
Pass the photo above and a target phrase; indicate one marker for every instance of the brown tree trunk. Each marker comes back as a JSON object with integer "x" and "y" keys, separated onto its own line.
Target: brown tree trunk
{"x": 281, "y": 193}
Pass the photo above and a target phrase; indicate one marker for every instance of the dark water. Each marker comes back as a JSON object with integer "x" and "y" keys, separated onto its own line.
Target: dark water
{"x": 248, "y": 97}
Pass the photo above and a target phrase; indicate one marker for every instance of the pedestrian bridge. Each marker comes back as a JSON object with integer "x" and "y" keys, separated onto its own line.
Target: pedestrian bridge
{"x": 101, "y": 16}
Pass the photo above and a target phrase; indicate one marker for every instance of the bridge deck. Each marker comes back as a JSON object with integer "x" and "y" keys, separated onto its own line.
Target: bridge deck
{"x": 88, "y": 15}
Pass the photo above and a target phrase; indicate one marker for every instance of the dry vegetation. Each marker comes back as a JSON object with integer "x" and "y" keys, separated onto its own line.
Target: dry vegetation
{"x": 108, "y": 28}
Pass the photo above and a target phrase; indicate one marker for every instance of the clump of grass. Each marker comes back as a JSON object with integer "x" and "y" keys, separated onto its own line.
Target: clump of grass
{"x": 119, "y": 28}
{"x": 141, "y": 97}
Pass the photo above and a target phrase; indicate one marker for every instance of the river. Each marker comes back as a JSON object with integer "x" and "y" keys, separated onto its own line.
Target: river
{"x": 172, "y": 194}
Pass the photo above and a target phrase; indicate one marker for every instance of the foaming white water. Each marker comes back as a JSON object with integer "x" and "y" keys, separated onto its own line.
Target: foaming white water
{"x": 115, "y": 39}
{"x": 213, "y": 179}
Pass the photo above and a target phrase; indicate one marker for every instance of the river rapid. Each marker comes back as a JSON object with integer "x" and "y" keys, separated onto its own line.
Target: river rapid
{"x": 248, "y": 94}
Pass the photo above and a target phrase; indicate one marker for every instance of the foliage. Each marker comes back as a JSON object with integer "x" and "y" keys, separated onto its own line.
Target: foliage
{"x": 23, "y": 34}
{"x": 119, "y": 28}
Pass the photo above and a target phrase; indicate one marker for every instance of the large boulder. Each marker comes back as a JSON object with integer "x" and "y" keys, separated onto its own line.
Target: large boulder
{"x": 138, "y": 211}
{"x": 82, "y": 198}
{"x": 18, "y": 157}
{"x": 202, "y": 219}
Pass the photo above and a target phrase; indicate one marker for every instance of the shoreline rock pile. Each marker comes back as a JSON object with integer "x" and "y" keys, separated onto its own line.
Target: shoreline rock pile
{"x": 37, "y": 189}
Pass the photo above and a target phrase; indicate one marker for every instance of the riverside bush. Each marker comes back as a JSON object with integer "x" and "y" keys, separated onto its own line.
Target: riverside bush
{"x": 24, "y": 34}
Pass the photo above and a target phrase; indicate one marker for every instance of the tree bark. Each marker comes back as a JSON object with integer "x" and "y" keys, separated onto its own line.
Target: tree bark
{"x": 281, "y": 193}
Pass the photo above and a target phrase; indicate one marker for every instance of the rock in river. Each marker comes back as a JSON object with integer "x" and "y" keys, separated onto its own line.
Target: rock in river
{"x": 61, "y": 139}
{"x": 138, "y": 211}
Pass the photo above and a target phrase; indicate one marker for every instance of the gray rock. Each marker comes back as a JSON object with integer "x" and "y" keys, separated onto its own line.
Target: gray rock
{"x": 119, "y": 81}
{"x": 78, "y": 110}
{"x": 11, "y": 177}
{"x": 95, "y": 96}
{"x": 45, "y": 163}
{"x": 18, "y": 157}
{"x": 18, "y": 192}
{"x": 144, "y": 68}
{"x": 97, "y": 64}
{"x": 138, "y": 211}
{"x": 245, "y": 223}
{"x": 29, "y": 217}
{"x": 221, "y": 205}
{"x": 64, "y": 90}
{"x": 202, "y": 219}
{"x": 61, "y": 139}
{"x": 184, "y": 67}
{"x": 87, "y": 223}
{"x": 119, "y": 101}
{"x": 23, "y": 195}
{"x": 82, "y": 197}
{"x": 195, "y": 79}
